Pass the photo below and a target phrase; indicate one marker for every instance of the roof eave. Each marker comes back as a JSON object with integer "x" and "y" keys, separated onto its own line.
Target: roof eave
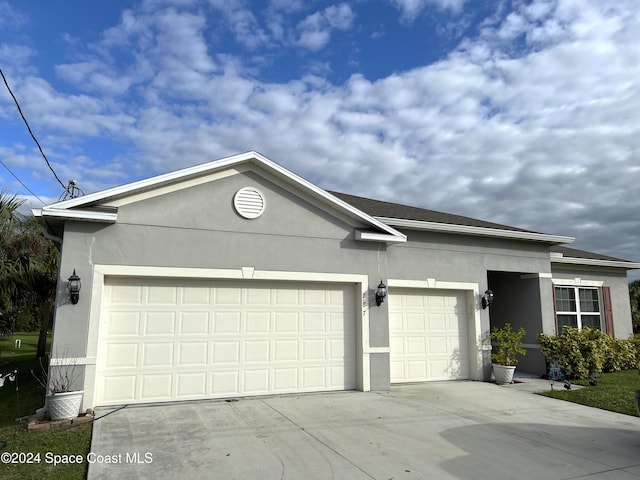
{"x": 478, "y": 231}
{"x": 63, "y": 209}
{"x": 595, "y": 262}
{"x": 85, "y": 215}
{"x": 379, "y": 237}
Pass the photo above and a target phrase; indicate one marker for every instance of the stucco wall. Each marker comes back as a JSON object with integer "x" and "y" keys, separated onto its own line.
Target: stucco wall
{"x": 197, "y": 227}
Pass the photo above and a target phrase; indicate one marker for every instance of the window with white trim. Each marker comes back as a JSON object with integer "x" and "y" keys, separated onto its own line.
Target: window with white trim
{"x": 578, "y": 307}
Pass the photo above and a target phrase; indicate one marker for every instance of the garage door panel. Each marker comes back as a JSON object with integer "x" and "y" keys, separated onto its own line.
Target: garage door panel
{"x": 121, "y": 355}
{"x": 161, "y": 295}
{"x": 124, "y": 323}
{"x": 417, "y": 369}
{"x": 159, "y": 323}
{"x": 194, "y": 323}
{"x": 256, "y": 381}
{"x": 258, "y": 322}
{"x": 438, "y": 322}
{"x": 313, "y": 322}
{"x": 286, "y": 322}
{"x": 119, "y": 389}
{"x": 191, "y": 384}
{"x": 196, "y": 296}
{"x": 415, "y": 322}
{"x": 286, "y": 297}
{"x": 226, "y": 322}
{"x": 225, "y": 383}
{"x": 228, "y": 296}
{"x": 428, "y": 335}
{"x": 205, "y": 339}
{"x": 125, "y": 295}
{"x": 226, "y": 352}
{"x": 256, "y": 351}
{"x": 156, "y": 386}
{"x": 193, "y": 353}
{"x": 157, "y": 355}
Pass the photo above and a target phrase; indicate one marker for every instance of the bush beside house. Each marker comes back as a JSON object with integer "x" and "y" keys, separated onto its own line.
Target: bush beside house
{"x": 587, "y": 351}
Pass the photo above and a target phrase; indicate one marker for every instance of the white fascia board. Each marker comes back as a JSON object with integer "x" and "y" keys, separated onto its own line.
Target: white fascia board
{"x": 103, "y": 217}
{"x": 479, "y": 231}
{"x": 379, "y": 237}
{"x": 596, "y": 263}
{"x": 152, "y": 181}
{"x": 251, "y": 156}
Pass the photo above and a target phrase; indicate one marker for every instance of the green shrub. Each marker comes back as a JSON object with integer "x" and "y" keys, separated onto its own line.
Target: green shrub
{"x": 587, "y": 351}
{"x": 635, "y": 341}
{"x": 509, "y": 344}
{"x": 619, "y": 355}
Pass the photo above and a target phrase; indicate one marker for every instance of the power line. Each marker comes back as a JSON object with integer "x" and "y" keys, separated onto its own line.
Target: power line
{"x": 29, "y": 128}
{"x": 21, "y": 182}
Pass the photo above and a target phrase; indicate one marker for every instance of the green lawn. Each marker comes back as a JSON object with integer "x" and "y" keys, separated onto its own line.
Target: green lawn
{"x": 29, "y": 396}
{"x": 614, "y": 392}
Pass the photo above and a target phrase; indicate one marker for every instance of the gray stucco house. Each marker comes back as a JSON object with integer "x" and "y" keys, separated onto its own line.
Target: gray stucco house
{"x": 238, "y": 277}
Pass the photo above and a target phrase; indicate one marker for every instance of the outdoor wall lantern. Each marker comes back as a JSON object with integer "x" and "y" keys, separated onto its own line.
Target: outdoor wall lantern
{"x": 487, "y": 299}
{"x": 74, "y": 286}
{"x": 381, "y": 292}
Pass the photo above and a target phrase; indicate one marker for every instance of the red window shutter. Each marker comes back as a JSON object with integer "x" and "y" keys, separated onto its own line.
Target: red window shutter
{"x": 608, "y": 311}
{"x": 555, "y": 314}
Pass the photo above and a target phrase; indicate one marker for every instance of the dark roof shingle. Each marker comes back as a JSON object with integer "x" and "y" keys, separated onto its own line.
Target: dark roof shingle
{"x": 378, "y": 208}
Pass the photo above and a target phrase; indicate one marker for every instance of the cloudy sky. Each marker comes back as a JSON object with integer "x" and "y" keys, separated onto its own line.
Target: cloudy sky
{"x": 525, "y": 113}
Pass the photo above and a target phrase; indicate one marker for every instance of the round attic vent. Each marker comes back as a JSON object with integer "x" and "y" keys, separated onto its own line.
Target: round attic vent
{"x": 249, "y": 202}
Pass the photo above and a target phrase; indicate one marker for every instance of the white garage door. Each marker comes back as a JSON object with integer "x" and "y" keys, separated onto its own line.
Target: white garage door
{"x": 428, "y": 335}
{"x": 164, "y": 340}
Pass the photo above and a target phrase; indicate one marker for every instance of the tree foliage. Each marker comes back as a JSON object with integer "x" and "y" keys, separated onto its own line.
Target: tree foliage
{"x": 634, "y": 295}
{"x": 28, "y": 270}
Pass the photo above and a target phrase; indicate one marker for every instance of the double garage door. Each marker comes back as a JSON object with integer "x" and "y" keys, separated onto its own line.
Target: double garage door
{"x": 428, "y": 335}
{"x": 164, "y": 340}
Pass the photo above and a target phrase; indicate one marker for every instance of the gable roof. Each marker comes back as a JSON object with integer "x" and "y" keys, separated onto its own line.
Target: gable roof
{"x": 399, "y": 215}
{"x": 94, "y": 207}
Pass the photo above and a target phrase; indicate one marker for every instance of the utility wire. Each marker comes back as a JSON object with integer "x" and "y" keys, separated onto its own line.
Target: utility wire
{"x": 21, "y": 182}
{"x": 29, "y": 128}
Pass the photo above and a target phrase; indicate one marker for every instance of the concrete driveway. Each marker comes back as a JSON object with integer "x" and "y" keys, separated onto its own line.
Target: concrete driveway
{"x": 452, "y": 430}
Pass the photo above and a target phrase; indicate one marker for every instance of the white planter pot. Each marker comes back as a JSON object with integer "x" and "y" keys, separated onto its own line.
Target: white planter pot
{"x": 503, "y": 373}
{"x": 64, "y": 406}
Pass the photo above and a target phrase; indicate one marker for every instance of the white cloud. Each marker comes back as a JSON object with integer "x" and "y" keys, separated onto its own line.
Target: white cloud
{"x": 542, "y": 136}
{"x": 10, "y": 17}
{"x": 314, "y": 32}
{"x": 242, "y": 22}
{"x": 410, "y": 9}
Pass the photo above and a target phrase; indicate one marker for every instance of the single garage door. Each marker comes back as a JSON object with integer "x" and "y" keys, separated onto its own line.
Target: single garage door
{"x": 165, "y": 340}
{"x": 428, "y": 335}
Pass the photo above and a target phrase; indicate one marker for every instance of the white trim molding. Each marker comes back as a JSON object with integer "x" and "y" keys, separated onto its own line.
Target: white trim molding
{"x": 171, "y": 181}
{"x": 595, "y": 262}
{"x": 379, "y": 237}
{"x": 478, "y": 231}
{"x": 90, "y": 216}
{"x": 576, "y": 282}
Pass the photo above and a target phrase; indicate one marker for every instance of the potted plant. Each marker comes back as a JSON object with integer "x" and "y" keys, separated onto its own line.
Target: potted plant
{"x": 508, "y": 345}
{"x": 62, "y": 402}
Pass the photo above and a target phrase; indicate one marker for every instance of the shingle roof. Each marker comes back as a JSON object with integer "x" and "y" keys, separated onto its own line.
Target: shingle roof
{"x": 378, "y": 208}
{"x": 575, "y": 253}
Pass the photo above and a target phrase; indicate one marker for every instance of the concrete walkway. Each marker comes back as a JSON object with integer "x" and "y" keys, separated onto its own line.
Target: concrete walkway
{"x": 452, "y": 430}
